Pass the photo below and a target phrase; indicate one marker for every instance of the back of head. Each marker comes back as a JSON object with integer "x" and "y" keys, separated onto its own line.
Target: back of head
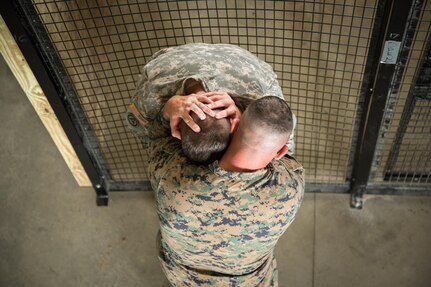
{"x": 267, "y": 123}
{"x": 207, "y": 145}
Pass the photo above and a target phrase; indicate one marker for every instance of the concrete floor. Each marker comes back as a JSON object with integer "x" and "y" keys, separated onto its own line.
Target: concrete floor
{"x": 52, "y": 233}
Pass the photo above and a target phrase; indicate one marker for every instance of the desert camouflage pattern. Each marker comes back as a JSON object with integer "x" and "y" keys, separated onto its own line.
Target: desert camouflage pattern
{"x": 218, "y": 228}
{"x": 217, "y": 67}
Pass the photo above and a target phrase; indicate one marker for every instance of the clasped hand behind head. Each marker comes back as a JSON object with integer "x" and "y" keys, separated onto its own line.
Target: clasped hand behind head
{"x": 203, "y": 122}
{"x": 206, "y": 133}
{"x": 215, "y": 104}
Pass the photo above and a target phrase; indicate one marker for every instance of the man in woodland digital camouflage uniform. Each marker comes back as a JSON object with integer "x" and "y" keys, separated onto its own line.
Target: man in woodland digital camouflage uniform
{"x": 219, "y": 223}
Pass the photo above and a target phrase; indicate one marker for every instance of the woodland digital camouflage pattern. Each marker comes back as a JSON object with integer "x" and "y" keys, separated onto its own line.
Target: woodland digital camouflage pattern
{"x": 218, "y": 228}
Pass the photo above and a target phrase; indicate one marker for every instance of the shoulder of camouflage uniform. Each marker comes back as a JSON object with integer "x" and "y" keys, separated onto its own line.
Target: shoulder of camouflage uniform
{"x": 134, "y": 115}
{"x": 291, "y": 163}
{"x": 158, "y": 53}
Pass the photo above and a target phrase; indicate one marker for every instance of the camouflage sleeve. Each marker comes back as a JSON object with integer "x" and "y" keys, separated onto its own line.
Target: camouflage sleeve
{"x": 147, "y": 130}
{"x": 161, "y": 148}
{"x": 291, "y": 142}
{"x": 274, "y": 89}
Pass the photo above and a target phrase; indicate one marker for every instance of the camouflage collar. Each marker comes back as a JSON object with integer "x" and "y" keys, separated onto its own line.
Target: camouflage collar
{"x": 215, "y": 167}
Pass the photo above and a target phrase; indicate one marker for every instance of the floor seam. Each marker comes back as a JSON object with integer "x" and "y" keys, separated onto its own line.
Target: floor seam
{"x": 314, "y": 242}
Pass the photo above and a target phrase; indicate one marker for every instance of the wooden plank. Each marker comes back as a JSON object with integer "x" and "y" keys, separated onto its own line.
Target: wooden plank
{"x": 14, "y": 58}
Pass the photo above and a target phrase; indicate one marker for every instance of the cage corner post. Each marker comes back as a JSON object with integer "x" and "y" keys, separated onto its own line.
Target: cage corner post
{"x": 398, "y": 13}
{"x": 29, "y": 52}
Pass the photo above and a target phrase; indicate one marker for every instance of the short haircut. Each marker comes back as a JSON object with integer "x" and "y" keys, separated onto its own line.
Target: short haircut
{"x": 207, "y": 145}
{"x": 271, "y": 114}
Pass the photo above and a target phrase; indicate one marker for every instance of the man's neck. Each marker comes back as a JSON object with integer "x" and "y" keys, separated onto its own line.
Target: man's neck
{"x": 241, "y": 159}
{"x": 233, "y": 165}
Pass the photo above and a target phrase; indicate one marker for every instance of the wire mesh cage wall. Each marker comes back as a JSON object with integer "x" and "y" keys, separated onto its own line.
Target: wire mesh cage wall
{"x": 318, "y": 49}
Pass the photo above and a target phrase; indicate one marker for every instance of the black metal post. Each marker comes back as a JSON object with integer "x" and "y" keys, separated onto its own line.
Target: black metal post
{"x": 397, "y": 13}
{"x": 13, "y": 20}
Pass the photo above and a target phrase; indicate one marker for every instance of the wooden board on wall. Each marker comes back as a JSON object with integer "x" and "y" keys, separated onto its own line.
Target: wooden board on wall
{"x": 14, "y": 58}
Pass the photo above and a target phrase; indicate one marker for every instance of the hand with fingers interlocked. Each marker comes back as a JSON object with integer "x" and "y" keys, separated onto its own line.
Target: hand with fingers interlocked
{"x": 223, "y": 101}
{"x": 214, "y": 104}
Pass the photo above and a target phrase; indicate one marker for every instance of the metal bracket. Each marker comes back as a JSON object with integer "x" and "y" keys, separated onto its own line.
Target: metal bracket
{"x": 102, "y": 194}
{"x": 357, "y": 197}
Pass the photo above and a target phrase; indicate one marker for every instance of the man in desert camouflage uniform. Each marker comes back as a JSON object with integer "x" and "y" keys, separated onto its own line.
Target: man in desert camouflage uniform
{"x": 218, "y": 227}
{"x": 215, "y": 67}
